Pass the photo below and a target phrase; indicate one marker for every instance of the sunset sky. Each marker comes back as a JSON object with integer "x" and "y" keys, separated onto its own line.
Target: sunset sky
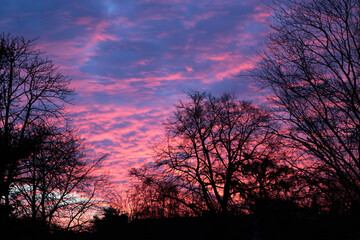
{"x": 132, "y": 60}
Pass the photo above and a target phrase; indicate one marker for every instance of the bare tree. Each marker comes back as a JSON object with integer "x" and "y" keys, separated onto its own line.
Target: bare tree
{"x": 45, "y": 174}
{"x": 311, "y": 63}
{"x": 32, "y": 94}
{"x": 57, "y": 184}
{"x": 212, "y": 144}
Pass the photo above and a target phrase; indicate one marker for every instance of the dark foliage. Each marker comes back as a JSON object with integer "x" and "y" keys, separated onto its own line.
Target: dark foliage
{"x": 111, "y": 224}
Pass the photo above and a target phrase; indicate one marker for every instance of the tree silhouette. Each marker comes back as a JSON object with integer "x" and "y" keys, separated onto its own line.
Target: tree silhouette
{"x": 32, "y": 94}
{"x": 111, "y": 224}
{"x": 46, "y": 177}
{"x": 215, "y": 149}
{"x": 57, "y": 184}
{"x": 311, "y": 63}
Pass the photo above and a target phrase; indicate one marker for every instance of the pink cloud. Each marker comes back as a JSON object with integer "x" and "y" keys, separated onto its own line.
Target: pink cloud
{"x": 84, "y": 20}
{"x": 90, "y": 85}
{"x": 189, "y": 69}
{"x": 130, "y": 142}
{"x": 233, "y": 71}
{"x": 262, "y": 14}
{"x": 188, "y": 24}
{"x": 218, "y": 57}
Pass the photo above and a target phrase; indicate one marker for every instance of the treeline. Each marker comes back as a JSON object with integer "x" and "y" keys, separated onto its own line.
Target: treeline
{"x": 278, "y": 221}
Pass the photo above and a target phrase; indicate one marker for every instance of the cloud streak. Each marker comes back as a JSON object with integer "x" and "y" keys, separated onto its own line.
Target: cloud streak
{"x": 131, "y": 61}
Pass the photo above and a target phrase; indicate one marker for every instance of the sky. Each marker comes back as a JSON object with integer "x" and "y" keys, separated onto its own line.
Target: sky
{"x": 131, "y": 61}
